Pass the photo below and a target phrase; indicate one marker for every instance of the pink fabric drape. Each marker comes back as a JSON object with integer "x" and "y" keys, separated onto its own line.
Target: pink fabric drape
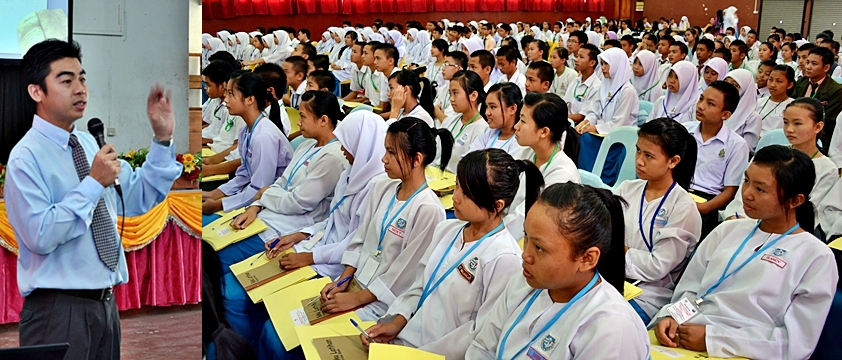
{"x": 166, "y": 272}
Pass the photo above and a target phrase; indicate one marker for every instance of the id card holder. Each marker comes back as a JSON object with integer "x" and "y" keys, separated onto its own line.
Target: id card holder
{"x": 684, "y": 310}
{"x": 367, "y": 272}
{"x": 314, "y": 240}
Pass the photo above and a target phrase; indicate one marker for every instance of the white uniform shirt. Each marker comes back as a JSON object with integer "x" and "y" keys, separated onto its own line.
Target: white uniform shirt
{"x": 417, "y": 112}
{"x": 626, "y": 106}
{"x": 771, "y": 114}
{"x": 384, "y": 86}
{"x": 434, "y": 73}
{"x": 358, "y": 78}
{"x": 748, "y": 128}
{"x": 774, "y": 307}
{"x": 677, "y": 230}
{"x": 490, "y": 139}
{"x": 404, "y": 245}
{"x": 561, "y": 82}
{"x": 659, "y": 112}
{"x": 442, "y": 99}
{"x": 228, "y": 133}
{"x": 450, "y": 312}
{"x": 830, "y": 211}
{"x": 373, "y": 86}
{"x": 463, "y": 137}
{"x": 601, "y": 313}
{"x": 302, "y": 199}
{"x": 721, "y": 161}
{"x": 835, "y": 151}
{"x": 517, "y": 78}
{"x": 580, "y": 94}
{"x": 215, "y": 114}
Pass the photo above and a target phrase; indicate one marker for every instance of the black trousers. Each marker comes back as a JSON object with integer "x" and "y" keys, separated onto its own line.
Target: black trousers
{"x": 91, "y": 327}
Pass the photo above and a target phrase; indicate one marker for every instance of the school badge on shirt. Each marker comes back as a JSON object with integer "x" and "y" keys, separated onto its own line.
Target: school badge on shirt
{"x": 775, "y": 258}
{"x": 722, "y": 153}
{"x": 548, "y": 343}
{"x": 468, "y": 272}
{"x": 462, "y": 139}
{"x": 398, "y": 228}
{"x": 661, "y": 218}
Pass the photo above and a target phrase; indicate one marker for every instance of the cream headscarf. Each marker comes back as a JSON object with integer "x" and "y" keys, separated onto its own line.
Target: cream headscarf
{"x": 647, "y": 85}
{"x": 681, "y": 106}
{"x": 620, "y": 73}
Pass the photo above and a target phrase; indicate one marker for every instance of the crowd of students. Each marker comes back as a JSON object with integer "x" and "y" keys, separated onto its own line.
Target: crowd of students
{"x": 518, "y": 113}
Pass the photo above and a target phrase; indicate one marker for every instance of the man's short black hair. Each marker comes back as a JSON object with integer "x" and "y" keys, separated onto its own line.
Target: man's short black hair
{"x": 218, "y": 72}
{"x": 226, "y": 57}
{"x": 612, "y": 43}
{"x": 509, "y": 52}
{"x": 390, "y": 50}
{"x": 36, "y": 62}
{"x": 305, "y": 32}
{"x": 323, "y": 79}
{"x": 824, "y": 53}
{"x": 544, "y": 70}
{"x": 682, "y": 48}
{"x": 308, "y": 49}
{"x": 629, "y": 39}
{"x": 730, "y": 94}
{"x": 708, "y": 44}
{"x": 486, "y": 59}
{"x": 320, "y": 62}
{"x": 274, "y": 77}
{"x": 725, "y": 53}
{"x": 741, "y": 46}
{"x": 460, "y": 57}
{"x": 299, "y": 64}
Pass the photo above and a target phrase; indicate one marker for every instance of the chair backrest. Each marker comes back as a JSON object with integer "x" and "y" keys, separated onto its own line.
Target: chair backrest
{"x": 774, "y": 137}
{"x": 362, "y": 107}
{"x": 644, "y": 109}
{"x": 627, "y": 136}
{"x": 296, "y": 141}
{"x": 589, "y": 178}
{"x": 838, "y": 79}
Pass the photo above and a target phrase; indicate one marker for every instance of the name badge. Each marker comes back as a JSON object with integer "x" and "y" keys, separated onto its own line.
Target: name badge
{"x": 314, "y": 239}
{"x": 684, "y": 310}
{"x": 365, "y": 274}
{"x": 462, "y": 139}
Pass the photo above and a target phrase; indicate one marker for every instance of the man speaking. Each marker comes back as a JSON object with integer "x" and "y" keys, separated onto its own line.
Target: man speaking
{"x": 63, "y": 206}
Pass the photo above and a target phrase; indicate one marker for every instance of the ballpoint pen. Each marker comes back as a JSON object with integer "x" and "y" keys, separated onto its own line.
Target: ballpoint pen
{"x": 367, "y": 336}
{"x": 340, "y": 283}
{"x": 271, "y": 246}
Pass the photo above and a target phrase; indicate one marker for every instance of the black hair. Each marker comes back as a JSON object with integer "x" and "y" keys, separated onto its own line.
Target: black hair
{"x": 772, "y": 48}
{"x": 323, "y": 79}
{"x": 775, "y": 37}
{"x": 612, "y": 43}
{"x": 510, "y": 53}
{"x": 550, "y": 111}
{"x": 653, "y": 38}
{"x": 488, "y": 175}
{"x": 440, "y": 44}
{"x": 725, "y": 53}
{"x": 390, "y": 51}
{"x": 544, "y": 71}
{"x": 730, "y": 94}
{"x": 320, "y": 62}
{"x": 525, "y": 41}
{"x": 305, "y": 32}
{"x": 323, "y": 103}
{"x": 421, "y": 88}
{"x": 834, "y": 44}
{"x": 274, "y": 77}
{"x": 486, "y": 59}
{"x": 250, "y": 84}
{"x": 593, "y": 52}
{"x": 471, "y": 82}
{"x": 35, "y": 65}
{"x": 682, "y": 48}
{"x": 789, "y": 74}
{"x": 708, "y": 43}
{"x": 741, "y": 46}
{"x": 792, "y": 47}
{"x": 629, "y": 39}
{"x": 508, "y": 94}
{"x": 822, "y": 36}
{"x": 412, "y": 136}
{"x": 218, "y": 72}
{"x": 751, "y": 32}
{"x": 668, "y": 39}
{"x": 824, "y": 53}
{"x": 542, "y": 46}
{"x": 299, "y": 64}
{"x": 308, "y": 49}
{"x": 806, "y": 47}
{"x": 674, "y": 139}
{"x": 588, "y": 218}
{"x": 460, "y": 57}
{"x": 795, "y": 175}
{"x": 769, "y": 63}
{"x": 228, "y": 344}
{"x": 225, "y": 56}
{"x": 353, "y": 35}
{"x": 829, "y": 34}
{"x": 814, "y": 106}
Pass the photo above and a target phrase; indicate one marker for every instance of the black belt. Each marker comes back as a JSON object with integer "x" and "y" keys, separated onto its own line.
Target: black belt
{"x": 98, "y": 294}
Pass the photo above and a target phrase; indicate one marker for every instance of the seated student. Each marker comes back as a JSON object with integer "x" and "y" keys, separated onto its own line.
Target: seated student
{"x": 722, "y": 153}
{"x": 341, "y": 68}
{"x": 553, "y": 143}
{"x": 397, "y": 231}
{"x": 214, "y": 112}
{"x": 507, "y": 63}
{"x": 740, "y": 313}
{"x": 410, "y": 96}
{"x": 372, "y": 78}
{"x": 279, "y": 46}
{"x": 763, "y": 71}
{"x": 305, "y": 50}
{"x": 703, "y": 52}
{"x": 645, "y": 79}
{"x": 539, "y": 77}
{"x": 818, "y": 85}
{"x": 441, "y": 308}
{"x": 503, "y": 104}
{"x": 629, "y": 45}
{"x": 385, "y": 62}
{"x": 358, "y": 73}
{"x": 586, "y": 89}
{"x": 435, "y": 68}
{"x": 745, "y": 121}
{"x": 739, "y": 51}
{"x": 612, "y": 43}
{"x": 617, "y": 105}
{"x": 303, "y": 37}
{"x": 564, "y": 75}
{"x": 454, "y": 62}
{"x": 802, "y": 122}
{"x": 295, "y": 69}
{"x": 321, "y": 80}
{"x": 771, "y": 108}
{"x": 714, "y": 70}
{"x": 679, "y": 103}
{"x": 536, "y": 50}
{"x": 572, "y": 248}
{"x": 467, "y": 98}
{"x": 318, "y": 63}
{"x": 656, "y": 253}
{"x": 482, "y": 63}
{"x": 263, "y": 147}
{"x": 789, "y": 55}
{"x": 724, "y": 54}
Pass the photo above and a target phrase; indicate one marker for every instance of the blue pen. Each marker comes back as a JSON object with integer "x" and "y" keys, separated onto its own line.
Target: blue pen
{"x": 340, "y": 283}
{"x": 367, "y": 336}
{"x": 271, "y": 246}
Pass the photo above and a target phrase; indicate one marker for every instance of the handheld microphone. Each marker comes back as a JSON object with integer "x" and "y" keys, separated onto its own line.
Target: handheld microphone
{"x": 95, "y": 128}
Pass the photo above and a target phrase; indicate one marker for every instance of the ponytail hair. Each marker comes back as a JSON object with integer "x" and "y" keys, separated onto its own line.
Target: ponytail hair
{"x": 534, "y": 182}
{"x": 550, "y": 111}
{"x": 795, "y": 175}
{"x": 470, "y": 82}
{"x": 488, "y": 175}
{"x": 789, "y": 74}
{"x": 323, "y": 103}
{"x": 590, "y": 217}
{"x": 412, "y": 136}
{"x": 508, "y": 94}
{"x": 250, "y": 84}
{"x": 814, "y": 106}
{"x": 674, "y": 140}
{"x": 421, "y": 88}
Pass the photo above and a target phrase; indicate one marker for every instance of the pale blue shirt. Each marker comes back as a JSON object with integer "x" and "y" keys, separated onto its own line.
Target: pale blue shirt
{"x": 51, "y": 211}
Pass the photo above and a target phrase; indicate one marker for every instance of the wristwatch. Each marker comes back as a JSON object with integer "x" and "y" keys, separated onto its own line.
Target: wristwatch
{"x": 164, "y": 143}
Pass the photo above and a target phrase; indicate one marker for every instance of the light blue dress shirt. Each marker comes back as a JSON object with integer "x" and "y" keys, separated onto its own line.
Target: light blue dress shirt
{"x": 51, "y": 211}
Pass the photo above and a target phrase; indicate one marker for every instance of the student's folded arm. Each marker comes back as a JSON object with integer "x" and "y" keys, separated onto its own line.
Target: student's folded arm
{"x": 319, "y": 184}
{"x": 673, "y": 242}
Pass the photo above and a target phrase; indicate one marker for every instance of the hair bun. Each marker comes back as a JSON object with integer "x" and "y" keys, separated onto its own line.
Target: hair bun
{"x": 521, "y": 166}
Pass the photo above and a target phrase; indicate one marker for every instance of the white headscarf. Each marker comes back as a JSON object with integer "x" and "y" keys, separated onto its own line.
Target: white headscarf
{"x": 216, "y": 46}
{"x": 709, "y": 36}
{"x": 244, "y": 42}
{"x": 269, "y": 41}
{"x": 748, "y": 95}
{"x": 366, "y": 33}
{"x": 383, "y": 31}
{"x": 422, "y": 50}
{"x": 363, "y": 134}
{"x": 729, "y": 18}
{"x": 747, "y": 29}
{"x": 594, "y": 38}
{"x": 284, "y": 48}
{"x": 684, "y": 102}
{"x": 337, "y": 46}
{"x": 376, "y": 37}
{"x": 649, "y": 61}
{"x": 620, "y": 73}
{"x": 472, "y": 45}
{"x": 716, "y": 64}
{"x": 539, "y": 35}
{"x": 684, "y": 24}
{"x": 514, "y": 34}
{"x": 679, "y": 38}
{"x": 397, "y": 38}
{"x": 223, "y": 35}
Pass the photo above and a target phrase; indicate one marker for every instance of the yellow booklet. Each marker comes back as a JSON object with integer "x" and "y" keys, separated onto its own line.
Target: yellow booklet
{"x": 288, "y": 315}
{"x": 219, "y": 177}
{"x": 390, "y": 352}
{"x": 660, "y": 352}
{"x": 353, "y": 104}
{"x": 630, "y": 291}
{"x": 220, "y": 233}
{"x": 698, "y": 199}
{"x": 447, "y": 201}
{"x": 308, "y": 334}
{"x": 836, "y": 244}
{"x": 207, "y": 152}
{"x": 438, "y": 180}
{"x": 262, "y": 277}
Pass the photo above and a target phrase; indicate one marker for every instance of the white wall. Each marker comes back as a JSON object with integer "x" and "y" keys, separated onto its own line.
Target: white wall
{"x": 150, "y": 45}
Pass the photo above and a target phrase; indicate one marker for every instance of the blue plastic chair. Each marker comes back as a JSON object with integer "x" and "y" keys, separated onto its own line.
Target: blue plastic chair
{"x": 838, "y": 79}
{"x": 588, "y": 178}
{"x": 644, "y": 109}
{"x": 363, "y": 107}
{"x": 829, "y": 346}
{"x": 627, "y": 136}
{"x": 774, "y": 137}
{"x": 296, "y": 141}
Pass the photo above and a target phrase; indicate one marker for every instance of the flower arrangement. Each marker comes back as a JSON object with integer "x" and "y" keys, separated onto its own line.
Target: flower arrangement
{"x": 2, "y": 175}
{"x": 135, "y": 158}
{"x": 192, "y": 165}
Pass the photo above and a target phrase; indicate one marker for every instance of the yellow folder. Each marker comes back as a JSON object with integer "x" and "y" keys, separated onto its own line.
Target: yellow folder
{"x": 207, "y": 152}
{"x": 660, "y": 352}
{"x": 439, "y": 180}
{"x": 264, "y": 278}
{"x": 630, "y": 291}
{"x": 698, "y": 199}
{"x": 287, "y": 314}
{"x": 219, "y": 177}
{"x": 220, "y": 233}
{"x": 340, "y": 328}
{"x": 390, "y": 352}
{"x": 836, "y": 244}
{"x": 447, "y": 201}
{"x": 353, "y": 104}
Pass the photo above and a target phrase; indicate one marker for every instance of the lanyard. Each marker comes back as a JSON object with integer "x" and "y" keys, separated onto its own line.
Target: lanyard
{"x": 221, "y": 103}
{"x": 302, "y": 160}
{"x": 371, "y": 78}
{"x": 546, "y": 327}
{"x": 651, "y": 243}
{"x": 248, "y": 144}
{"x": 581, "y": 96}
{"x": 647, "y": 91}
{"x": 360, "y": 77}
{"x": 229, "y": 124}
{"x": 535, "y": 158}
{"x": 434, "y": 73}
{"x": 463, "y": 127}
{"x": 612, "y": 98}
{"x": 668, "y": 113}
{"x": 433, "y": 284}
{"x": 726, "y": 274}
{"x": 497, "y": 137}
{"x": 770, "y": 111}
{"x": 389, "y": 209}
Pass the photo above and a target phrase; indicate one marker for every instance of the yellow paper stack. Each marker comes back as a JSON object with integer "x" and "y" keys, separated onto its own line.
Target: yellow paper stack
{"x": 443, "y": 183}
{"x": 262, "y": 277}
{"x": 220, "y": 233}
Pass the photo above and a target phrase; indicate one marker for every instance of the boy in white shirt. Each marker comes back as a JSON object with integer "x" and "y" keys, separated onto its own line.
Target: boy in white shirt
{"x": 507, "y": 57}
{"x": 385, "y": 59}
{"x": 564, "y": 75}
{"x": 295, "y": 68}
{"x": 482, "y": 62}
{"x": 586, "y": 88}
{"x": 454, "y": 62}
{"x": 539, "y": 77}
